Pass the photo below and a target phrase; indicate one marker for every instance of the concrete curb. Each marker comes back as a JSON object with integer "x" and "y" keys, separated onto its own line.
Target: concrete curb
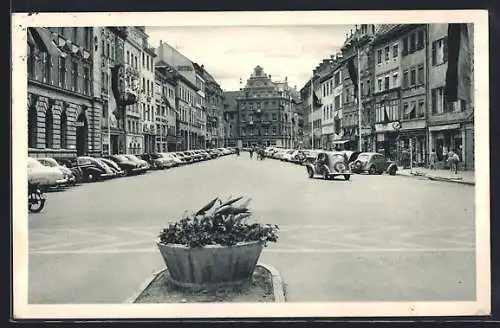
{"x": 436, "y": 178}
{"x": 278, "y": 290}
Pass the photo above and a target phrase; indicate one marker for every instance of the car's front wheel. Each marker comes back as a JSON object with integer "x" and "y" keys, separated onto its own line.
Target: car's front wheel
{"x": 326, "y": 176}
{"x": 310, "y": 172}
{"x": 372, "y": 170}
{"x": 347, "y": 177}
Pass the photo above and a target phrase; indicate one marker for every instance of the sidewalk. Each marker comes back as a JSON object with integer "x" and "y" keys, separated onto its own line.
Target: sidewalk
{"x": 464, "y": 177}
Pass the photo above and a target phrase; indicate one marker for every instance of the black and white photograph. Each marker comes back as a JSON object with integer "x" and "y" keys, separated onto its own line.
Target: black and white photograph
{"x": 241, "y": 164}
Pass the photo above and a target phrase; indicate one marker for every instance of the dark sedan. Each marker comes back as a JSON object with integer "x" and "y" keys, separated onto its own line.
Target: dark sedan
{"x": 130, "y": 167}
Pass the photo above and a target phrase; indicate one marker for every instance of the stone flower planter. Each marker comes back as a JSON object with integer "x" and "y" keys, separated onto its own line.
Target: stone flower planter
{"x": 211, "y": 265}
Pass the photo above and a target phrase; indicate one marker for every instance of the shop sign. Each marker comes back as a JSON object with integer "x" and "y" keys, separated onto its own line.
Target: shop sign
{"x": 387, "y": 127}
{"x": 445, "y": 127}
{"x": 413, "y": 125}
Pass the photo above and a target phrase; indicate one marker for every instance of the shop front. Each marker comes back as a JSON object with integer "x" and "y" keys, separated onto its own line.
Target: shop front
{"x": 413, "y": 140}
{"x": 445, "y": 138}
{"x": 387, "y": 135}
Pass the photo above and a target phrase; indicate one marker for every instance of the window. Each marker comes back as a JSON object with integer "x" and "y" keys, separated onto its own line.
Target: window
{"x": 31, "y": 60}
{"x": 395, "y": 51}
{"x": 49, "y": 129}
{"x": 274, "y": 130}
{"x": 337, "y": 102}
{"x": 86, "y": 80}
{"x": 406, "y": 111}
{"x": 413, "y": 42}
{"x": 87, "y": 37}
{"x": 379, "y": 56}
{"x": 64, "y": 130}
{"x": 420, "y": 74}
{"x": 439, "y": 51}
{"x": 75, "y": 34}
{"x": 337, "y": 78}
{"x": 395, "y": 81}
{"x": 128, "y": 57}
{"x": 362, "y": 89}
{"x": 32, "y": 127}
{"x": 420, "y": 39}
{"x": 405, "y": 46}
{"x": 74, "y": 73}
{"x": 274, "y": 116}
{"x": 143, "y": 61}
{"x": 421, "y": 108}
{"x": 47, "y": 62}
{"x": 413, "y": 76}
{"x": 437, "y": 96}
{"x": 379, "y": 84}
{"x": 368, "y": 87}
{"x": 108, "y": 50}
{"x": 405, "y": 79}
{"x": 386, "y": 53}
{"x": 386, "y": 83}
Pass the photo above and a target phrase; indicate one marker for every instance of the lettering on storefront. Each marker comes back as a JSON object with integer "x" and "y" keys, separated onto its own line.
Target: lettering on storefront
{"x": 413, "y": 125}
{"x": 387, "y": 127}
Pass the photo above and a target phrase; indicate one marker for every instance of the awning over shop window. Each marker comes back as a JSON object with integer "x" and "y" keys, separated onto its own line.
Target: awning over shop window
{"x": 340, "y": 142}
{"x": 42, "y": 38}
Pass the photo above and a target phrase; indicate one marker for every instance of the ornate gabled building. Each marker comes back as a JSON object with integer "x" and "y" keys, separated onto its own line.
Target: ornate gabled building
{"x": 265, "y": 111}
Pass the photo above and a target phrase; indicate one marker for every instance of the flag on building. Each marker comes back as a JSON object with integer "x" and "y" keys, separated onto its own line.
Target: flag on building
{"x": 353, "y": 74}
{"x": 458, "y": 74}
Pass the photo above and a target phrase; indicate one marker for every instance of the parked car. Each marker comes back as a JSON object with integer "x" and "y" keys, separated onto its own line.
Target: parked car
{"x": 287, "y": 156}
{"x": 310, "y": 156}
{"x": 373, "y": 163}
{"x": 115, "y": 167}
{"x": 279, "y": 154}
{"x": 68, "y": 174}
{"x": 71, "y": 164}
{"x": 169, "y": 160}
{"x": 181, "y": 156}
{"x": 329, "y": 165}
{"x": 46, "y": 177}
{"x": 142, "y": 163}
{"x": 297, "y": 157}
{"x": 212, "y": 153}
{"x": 130, "y": 167}
{"x": 94, "y": 169}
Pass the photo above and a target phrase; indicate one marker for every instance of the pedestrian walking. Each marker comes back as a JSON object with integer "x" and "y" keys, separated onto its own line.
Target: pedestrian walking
{"x": 432, "y": 159}
{"x": 251, "y": 152}
{"x": 453, "y": 160}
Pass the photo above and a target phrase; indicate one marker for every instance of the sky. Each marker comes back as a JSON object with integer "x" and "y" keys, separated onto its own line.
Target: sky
{"x": 230, "y": 53}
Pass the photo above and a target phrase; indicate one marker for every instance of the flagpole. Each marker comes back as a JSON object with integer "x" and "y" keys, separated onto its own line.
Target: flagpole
{"x": 312, "y": 105}
{"x": 359, "y": 100}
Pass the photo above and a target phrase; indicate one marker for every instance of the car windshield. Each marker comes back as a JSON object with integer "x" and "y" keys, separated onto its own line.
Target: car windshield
{"x": 131, "y": 157}
{"x": 363, "y": 157}
{"x": 121, "y": 157}
{"x": 49, "y": 162}
{"x": 32, "y": 163}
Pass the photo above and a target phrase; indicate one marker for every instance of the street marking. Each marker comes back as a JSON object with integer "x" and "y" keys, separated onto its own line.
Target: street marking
{"x": 270, "y": 250}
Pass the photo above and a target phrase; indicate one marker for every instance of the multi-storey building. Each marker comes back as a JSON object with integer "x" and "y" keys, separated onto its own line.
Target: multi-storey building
{"x": 214, "y": 111}
{"x": 327, "y": 100}
{"x": 265, "y": 111}
{"x": 387, "y": 93}
{"x": 109, "y": 53}
{"x": 450, "y": 121}
{"x": 200, "y": 122}
{"x": 412, "y": 133}
{"x": 231, "y": 118}
{"x": 166, "y": 118}
{"x": 63, "y": 117}
{"x": 133, "y": 53}
{"x": 147, "y": 100}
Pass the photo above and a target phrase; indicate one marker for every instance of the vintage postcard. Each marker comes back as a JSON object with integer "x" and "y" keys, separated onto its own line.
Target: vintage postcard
{"x": 250, "y": 164}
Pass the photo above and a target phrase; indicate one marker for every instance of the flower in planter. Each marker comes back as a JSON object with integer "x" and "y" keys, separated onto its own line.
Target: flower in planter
{"x": 218, "y": 223}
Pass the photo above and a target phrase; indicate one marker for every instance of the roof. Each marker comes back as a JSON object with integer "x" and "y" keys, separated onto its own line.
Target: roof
{"x": 230, "y": 98}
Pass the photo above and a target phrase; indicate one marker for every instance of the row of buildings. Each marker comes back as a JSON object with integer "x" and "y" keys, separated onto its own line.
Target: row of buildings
{"x": 105, "y": 90}
{"x": 393, "y": 88}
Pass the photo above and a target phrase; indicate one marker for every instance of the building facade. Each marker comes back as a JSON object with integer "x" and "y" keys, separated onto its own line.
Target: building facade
{"x": 451, "y": 123}
{"x": 214, "y": 111}
{"x": 134, "y": 139}
{"x": 64, "y": 118}
{"x": 231, "y": 118}
{"x": 264, "y": 111}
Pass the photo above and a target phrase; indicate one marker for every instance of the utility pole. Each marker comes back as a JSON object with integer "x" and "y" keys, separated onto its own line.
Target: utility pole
{"x": 311, "y": 116}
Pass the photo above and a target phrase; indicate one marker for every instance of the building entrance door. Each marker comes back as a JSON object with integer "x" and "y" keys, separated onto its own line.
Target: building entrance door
{"x": 81, "y": 135}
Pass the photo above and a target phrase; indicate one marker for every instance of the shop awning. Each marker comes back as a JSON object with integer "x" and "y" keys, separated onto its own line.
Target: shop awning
{"x": 340, "y": 142}
{"x": 43, "y": 39}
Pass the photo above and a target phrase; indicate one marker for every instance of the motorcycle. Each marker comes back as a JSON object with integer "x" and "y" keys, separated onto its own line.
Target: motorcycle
{"x": 36, "y": 198}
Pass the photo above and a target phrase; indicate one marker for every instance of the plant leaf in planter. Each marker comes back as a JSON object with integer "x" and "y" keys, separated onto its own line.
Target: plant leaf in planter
{"x": 232, "y": 201}
{"x": 205, "y": 208}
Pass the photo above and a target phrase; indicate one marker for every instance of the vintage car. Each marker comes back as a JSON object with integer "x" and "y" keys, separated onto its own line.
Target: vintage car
{"x": 119, "y": 172}
{"x": 128, "y": 166}
{"x": 68, "y": 174}
{"x": 45, "y": 176}
{"x": 94, "y": 169}
{"x": 329, "y": 165}
{"x": 373, "y": 163}
{"x": 142, "y": 163}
